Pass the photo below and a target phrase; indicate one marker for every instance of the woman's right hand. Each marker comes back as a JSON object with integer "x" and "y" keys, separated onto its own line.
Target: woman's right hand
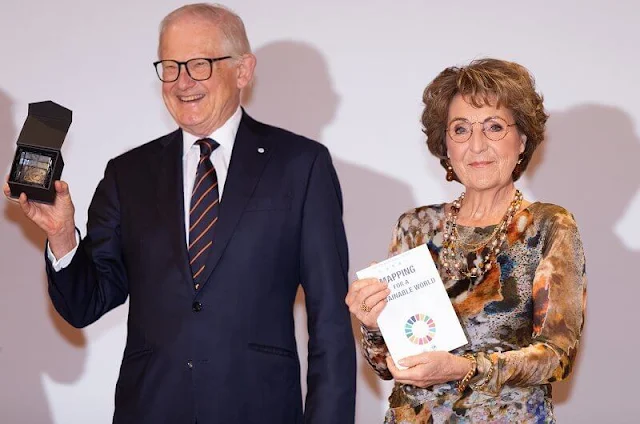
{"x": 366, "y": 299}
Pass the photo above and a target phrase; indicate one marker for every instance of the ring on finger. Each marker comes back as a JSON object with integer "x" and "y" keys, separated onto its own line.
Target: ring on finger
{"x": 364, "y": 307}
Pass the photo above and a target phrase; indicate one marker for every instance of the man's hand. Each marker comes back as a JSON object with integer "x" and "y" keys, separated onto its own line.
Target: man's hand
{"x": 56, "y": 220}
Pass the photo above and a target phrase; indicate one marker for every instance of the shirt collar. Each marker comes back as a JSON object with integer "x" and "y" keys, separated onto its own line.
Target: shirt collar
{"x": 225, "y": 136}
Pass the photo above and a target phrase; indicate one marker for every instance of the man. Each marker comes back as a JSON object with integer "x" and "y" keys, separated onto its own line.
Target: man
{"x": 209, "y": 230}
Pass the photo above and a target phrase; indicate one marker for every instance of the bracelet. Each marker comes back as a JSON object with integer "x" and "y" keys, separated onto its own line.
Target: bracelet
{"x": 487, "y": 377}
{"x": 462, "y": 384}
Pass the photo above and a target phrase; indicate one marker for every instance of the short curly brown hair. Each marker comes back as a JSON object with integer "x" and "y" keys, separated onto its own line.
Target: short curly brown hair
{"x": 485, "y": 81}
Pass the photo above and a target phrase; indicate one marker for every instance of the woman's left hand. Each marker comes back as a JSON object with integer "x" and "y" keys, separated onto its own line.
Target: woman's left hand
{"x": 429, "y": 368}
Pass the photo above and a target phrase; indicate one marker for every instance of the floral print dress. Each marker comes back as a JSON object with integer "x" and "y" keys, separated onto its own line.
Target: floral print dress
{"x": 524, "y": 317}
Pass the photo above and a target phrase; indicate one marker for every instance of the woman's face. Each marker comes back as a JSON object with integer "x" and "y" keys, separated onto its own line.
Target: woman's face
{"x": 480, "y": 162}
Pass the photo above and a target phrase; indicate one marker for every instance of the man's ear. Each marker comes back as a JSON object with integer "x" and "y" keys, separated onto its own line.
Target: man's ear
{"x": 246, "y": 67}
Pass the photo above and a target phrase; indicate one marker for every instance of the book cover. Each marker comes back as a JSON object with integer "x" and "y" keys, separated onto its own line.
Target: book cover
{"x": 418, "y": 316}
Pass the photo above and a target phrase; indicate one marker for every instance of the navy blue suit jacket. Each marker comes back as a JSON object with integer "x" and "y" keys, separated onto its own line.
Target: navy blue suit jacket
{"x": 226, "y": 354}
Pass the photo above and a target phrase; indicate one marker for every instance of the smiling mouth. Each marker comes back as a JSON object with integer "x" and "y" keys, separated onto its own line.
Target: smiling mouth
{"x": 480, "y": 164}
{"x": 193, "y": 98}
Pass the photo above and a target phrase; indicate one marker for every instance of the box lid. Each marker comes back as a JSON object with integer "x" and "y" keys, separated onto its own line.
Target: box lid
{"x": 46, "y": 125}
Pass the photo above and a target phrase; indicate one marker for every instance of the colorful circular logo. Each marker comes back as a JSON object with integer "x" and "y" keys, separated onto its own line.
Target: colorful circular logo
{"x": 420, "y": 329}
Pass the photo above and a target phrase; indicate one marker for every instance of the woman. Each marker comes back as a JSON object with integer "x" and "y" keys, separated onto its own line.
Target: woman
{"x": 514, "y": 270}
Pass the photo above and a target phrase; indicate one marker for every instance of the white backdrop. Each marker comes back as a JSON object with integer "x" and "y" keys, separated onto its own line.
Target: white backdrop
{"x": 351, "y": 75}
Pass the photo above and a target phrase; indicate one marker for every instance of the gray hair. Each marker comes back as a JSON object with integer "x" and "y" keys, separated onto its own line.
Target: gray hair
{"x": 223, "y": 18}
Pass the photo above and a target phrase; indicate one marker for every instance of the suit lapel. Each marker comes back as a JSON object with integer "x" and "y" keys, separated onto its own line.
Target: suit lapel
{"x": 251, "y": 151}
{"x": 171, "y": 201}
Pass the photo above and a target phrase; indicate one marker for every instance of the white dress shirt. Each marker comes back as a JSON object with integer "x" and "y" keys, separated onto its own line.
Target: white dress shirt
{"x": 225, "y": 136}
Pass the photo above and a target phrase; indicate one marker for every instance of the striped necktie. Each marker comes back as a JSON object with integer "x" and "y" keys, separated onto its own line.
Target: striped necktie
{"x": 203, "y": 213}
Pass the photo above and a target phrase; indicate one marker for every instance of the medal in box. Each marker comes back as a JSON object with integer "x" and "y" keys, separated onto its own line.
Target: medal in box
{"x": 38, "y": 161}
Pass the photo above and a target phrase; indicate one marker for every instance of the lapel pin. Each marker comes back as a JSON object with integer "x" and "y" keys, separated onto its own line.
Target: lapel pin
{"x": 260, "y": 149}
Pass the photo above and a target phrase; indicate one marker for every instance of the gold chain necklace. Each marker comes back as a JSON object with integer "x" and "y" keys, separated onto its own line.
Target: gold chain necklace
{"x": 454, "y": 258}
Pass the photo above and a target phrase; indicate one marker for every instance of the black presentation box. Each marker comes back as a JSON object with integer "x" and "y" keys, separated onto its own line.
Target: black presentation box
{"x": 38, "y": 161}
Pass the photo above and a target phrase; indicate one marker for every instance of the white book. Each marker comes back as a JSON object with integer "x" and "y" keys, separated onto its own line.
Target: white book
{"x": 418, "y": 316}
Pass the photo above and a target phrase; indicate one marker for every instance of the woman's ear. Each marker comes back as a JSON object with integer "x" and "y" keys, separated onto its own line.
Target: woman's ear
{"x": 523, "y": 142}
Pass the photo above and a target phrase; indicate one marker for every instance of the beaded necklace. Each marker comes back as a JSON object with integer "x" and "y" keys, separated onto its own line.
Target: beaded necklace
{"x": 454, "y": 257}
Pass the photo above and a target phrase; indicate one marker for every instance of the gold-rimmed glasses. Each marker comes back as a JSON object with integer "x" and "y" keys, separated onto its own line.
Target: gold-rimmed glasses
{"x": 494, "y": 128}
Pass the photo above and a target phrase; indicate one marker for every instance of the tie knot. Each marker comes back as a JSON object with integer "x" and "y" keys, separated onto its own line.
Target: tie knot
{"x": 207, "y": 146}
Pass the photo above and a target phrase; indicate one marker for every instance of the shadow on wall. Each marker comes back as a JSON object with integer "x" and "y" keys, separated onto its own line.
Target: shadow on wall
{"x": 293, "y": 89}
{"x": 34, "y": 340}
{"x": 589, "y": 166}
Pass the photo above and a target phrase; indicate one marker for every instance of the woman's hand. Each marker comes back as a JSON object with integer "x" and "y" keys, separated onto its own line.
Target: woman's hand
{"x": 429, "y": 368}
{"x": 366, "y": 299}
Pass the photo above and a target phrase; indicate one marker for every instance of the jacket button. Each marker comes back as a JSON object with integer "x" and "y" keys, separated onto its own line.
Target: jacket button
{"x": 197, "y": 306}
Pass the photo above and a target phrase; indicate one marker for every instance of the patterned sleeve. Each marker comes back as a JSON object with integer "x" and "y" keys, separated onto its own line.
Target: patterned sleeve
{"x": 375, "y": 352}
{"x": 373, "y": 346}
{"x": 559, "y": 300}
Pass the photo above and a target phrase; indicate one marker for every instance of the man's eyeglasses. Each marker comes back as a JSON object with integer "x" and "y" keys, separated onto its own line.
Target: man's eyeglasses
{"x": 460, "y": 130}
{"x": 199, "y": 69}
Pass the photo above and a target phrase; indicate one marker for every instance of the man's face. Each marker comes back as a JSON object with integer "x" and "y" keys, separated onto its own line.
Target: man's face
{"x": 200, "y": 107}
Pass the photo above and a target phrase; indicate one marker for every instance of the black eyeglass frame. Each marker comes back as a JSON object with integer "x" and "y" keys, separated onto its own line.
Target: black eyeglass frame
{"x": 211, "y": 61}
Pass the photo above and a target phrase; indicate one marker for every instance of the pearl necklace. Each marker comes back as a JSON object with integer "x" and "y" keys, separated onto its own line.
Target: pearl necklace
{"x": 454, "y": 258}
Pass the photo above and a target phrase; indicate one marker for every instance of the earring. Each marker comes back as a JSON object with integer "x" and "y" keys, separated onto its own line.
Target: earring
{"x": 449, "y": 172}
{"x": 517, "y": 169}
